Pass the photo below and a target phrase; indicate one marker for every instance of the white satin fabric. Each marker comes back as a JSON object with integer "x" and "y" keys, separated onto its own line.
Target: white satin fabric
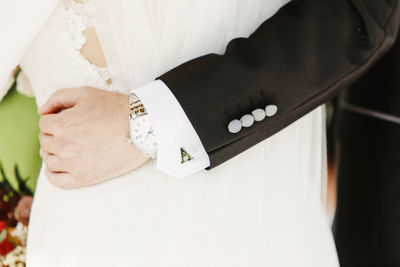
{"x": 264, "y": 207}
{"x": 20, "y": 21}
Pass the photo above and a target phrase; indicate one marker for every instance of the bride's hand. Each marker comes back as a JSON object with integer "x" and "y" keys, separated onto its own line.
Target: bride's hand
{"x": 84, "y": 135}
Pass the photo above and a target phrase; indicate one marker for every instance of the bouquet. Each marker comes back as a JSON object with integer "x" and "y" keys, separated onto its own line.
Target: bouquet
{"x": 15, "y": 205}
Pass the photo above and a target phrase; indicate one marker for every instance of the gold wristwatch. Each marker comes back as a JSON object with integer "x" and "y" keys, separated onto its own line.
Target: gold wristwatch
{"x": 141, "y": 132}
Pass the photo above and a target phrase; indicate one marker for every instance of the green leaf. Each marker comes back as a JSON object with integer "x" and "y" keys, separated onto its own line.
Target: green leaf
{"x": 22, "y": 183}
{"x": 5, "y": 183}
{"x": 3, "y": 235}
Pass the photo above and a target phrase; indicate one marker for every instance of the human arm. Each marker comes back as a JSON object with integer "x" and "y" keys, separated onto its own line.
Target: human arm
{"x": 297, "y": 60}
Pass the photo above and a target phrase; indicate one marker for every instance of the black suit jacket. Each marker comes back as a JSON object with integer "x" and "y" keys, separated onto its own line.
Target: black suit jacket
{"x": 297, "y": 60}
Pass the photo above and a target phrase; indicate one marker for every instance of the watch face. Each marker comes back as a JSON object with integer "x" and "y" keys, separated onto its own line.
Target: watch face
{"x": 142, "y": 133}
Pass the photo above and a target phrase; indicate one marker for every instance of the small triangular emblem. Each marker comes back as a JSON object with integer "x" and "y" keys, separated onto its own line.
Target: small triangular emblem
{"x": 185, "y": 156}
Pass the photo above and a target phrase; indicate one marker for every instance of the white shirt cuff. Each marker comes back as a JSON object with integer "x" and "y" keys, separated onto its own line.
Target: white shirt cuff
{"x": 173, "y": 131}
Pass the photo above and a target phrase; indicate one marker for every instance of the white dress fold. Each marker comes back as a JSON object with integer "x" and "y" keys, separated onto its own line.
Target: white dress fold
{"x": 264, "y": 207}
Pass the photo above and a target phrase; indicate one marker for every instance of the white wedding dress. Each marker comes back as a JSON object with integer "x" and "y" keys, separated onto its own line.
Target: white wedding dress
{"x": 265, "y": 207}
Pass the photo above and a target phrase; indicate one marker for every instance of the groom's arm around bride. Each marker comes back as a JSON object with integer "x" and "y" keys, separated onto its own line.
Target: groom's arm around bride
{"x": 294, "y": 62}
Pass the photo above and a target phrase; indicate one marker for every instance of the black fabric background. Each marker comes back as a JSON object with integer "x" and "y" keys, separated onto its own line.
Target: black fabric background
{"x": 367, "y": 224}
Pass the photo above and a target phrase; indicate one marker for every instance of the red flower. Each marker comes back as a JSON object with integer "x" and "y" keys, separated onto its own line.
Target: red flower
{"x": 5, "y": 247}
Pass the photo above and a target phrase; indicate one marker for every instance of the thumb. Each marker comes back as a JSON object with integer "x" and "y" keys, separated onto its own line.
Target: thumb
{"x": 62, "y": 99}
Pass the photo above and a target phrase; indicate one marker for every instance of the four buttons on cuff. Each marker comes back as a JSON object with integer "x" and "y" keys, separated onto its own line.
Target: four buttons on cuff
{"x": 248, "y": 120}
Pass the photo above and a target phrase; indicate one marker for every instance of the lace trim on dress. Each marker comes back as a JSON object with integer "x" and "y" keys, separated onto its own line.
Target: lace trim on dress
{"x": 84, "y": 10}
{"x": 104, "y": 73}
{"x": 80, "y": 16}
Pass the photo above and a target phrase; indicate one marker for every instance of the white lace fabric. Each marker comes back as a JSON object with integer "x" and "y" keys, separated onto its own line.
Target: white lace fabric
{"x": 84, "y": 10}
{"x": 82, "y": 18}
{"x": 65, "y": 34}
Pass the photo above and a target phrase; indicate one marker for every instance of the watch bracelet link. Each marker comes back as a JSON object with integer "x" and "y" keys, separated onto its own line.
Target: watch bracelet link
{"x": 136, "y": 106}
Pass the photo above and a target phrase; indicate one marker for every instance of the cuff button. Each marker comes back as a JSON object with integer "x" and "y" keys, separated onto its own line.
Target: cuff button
{"x": 258, "y": 114}
{"x": 235, "y": 126}
{"x": 271, "y": 110}
{"x": 247, "y": 120}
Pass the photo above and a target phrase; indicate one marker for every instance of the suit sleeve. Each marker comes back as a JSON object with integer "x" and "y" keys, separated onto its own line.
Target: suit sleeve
{"x": 297, "y": 60}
